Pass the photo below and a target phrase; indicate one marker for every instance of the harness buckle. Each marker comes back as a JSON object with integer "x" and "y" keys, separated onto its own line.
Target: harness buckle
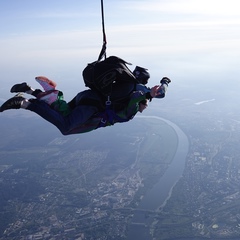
{"x": 108, "y": 102}
{"x": 103, "y": 120}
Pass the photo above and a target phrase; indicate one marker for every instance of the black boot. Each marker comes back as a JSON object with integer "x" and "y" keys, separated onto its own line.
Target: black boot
{"x": 13, "y": 103}
{"x": 20, "y": 87}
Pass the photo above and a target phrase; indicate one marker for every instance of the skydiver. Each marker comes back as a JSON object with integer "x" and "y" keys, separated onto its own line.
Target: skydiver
{"x": 79, "y": 118}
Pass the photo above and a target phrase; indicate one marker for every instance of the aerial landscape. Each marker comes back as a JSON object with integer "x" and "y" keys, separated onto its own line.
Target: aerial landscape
{"x": 172, "y": 172}
{"x": 93, "y": 186}
{"x": 70, "y": 186}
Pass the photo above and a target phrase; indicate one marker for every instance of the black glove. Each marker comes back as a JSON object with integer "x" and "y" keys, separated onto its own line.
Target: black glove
{"x": 165, "y": 80}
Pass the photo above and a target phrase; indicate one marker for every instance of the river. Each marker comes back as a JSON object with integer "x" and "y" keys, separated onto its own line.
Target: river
{"x": 158, "y": 195}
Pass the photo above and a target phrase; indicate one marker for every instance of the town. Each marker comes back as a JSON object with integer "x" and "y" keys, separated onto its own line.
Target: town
{"x": 94, "y": 196}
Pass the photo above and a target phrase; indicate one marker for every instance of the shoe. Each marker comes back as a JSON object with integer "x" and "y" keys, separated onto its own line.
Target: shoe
{"x": 13, "y": 103}
{"x": 49, "y": 97}
{"x": 20, "y": 87}
{"x": 46, "y": 83}
{"x": 165, "y": 80}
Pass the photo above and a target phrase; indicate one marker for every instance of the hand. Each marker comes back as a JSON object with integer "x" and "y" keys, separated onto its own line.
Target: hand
{"x": 154, "y": 91}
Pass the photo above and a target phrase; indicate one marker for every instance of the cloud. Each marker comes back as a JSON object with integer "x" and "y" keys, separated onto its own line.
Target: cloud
{"x": 212, "y": 7}
{"x": 206, "y": 101}
{"x": 166, "y": 36}
{"x": 60, "y": 14}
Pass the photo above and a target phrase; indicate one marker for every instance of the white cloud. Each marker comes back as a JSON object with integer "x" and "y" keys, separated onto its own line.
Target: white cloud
{"x": 211, "y": 7}
{"x": 176, "y": 43}
{"x": 61, "y": 14}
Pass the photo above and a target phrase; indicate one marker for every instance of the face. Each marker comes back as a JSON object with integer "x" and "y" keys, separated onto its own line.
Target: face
{"x": 142, "y": 107}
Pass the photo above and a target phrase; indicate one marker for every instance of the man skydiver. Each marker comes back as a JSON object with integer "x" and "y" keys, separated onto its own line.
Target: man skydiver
{"x": 82, "y": 117}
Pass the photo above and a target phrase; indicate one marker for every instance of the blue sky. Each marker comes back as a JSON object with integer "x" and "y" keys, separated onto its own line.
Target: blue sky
{"x": 187, "y": 40}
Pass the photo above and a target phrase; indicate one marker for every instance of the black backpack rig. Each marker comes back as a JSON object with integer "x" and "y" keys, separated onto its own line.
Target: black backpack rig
{"x": 113, "y": 80}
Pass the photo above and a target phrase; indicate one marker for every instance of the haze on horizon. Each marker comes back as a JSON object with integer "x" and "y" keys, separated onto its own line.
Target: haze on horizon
{"x": 191, "y": 41}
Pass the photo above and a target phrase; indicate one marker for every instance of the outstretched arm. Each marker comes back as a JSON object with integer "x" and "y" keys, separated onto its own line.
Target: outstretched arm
{"x": 160, "y": 91}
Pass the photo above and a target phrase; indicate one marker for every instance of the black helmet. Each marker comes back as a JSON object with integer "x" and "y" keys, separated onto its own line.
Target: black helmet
{"x": 141, "y": 75}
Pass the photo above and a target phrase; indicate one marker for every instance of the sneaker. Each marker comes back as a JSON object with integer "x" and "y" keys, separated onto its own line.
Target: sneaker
{"x": 49, "y": 97}
{"x": 20, "y": 87}
{"x": 13, "y": 103}
{"x": 46, "y": 83}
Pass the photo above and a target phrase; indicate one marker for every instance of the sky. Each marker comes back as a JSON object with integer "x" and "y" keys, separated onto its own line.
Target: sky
{"x": 193, "y": 42}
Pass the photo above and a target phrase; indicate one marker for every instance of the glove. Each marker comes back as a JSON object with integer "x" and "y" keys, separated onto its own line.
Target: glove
{"x": 165, "y": 80}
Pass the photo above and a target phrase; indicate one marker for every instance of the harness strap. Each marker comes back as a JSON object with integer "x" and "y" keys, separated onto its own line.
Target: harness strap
{"x": 110, "y": 117}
